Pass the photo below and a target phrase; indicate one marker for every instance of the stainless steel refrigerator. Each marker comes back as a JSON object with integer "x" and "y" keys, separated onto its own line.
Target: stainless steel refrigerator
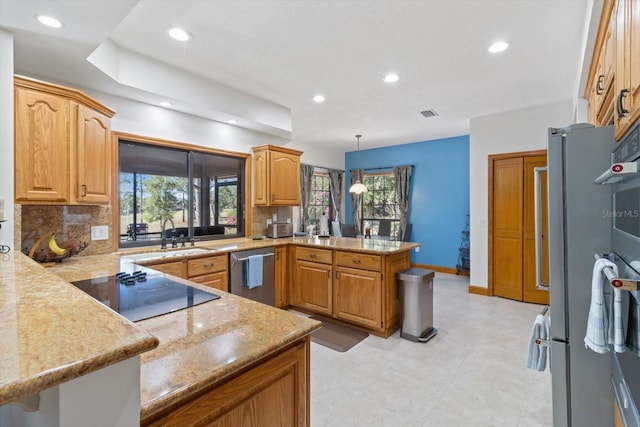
{"x": 579, "y": 227}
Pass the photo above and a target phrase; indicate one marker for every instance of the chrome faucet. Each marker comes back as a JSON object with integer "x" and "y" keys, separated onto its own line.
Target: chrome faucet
{"x": 163, "y": 234}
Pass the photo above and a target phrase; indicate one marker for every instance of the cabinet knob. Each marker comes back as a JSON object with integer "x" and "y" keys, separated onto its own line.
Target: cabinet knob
{"x": 313, "y": 256}
{"x": 208, "y": 265}
{"x": 600, "y": 85}
{"x": 622, "y": 112}
{"x": 83, "y": 190}
{"x": 356, "y": 261}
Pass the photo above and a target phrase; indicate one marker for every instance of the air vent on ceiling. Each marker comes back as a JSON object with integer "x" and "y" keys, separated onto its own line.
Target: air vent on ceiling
{"x": 428, "y": 113}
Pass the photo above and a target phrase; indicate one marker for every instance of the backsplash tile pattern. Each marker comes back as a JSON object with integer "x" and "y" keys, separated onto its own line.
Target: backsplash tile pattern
{"x": 260, "y": 214}
{"x": 70, "y": 223}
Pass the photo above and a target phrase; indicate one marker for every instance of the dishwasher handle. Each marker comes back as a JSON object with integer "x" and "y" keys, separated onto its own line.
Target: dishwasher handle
{"x": 235, "y": 258}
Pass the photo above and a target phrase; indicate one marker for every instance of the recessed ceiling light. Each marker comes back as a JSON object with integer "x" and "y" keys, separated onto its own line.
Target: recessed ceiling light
{"x": 49, "y": 21}
{"x": 318, "y": 98}
{"x": 391, "y": 78}
{"x": 232, "y": 122}
{"x": 179, "y": 34}
{"x": 498, "y": 47}
{"x": 165, "y": 104}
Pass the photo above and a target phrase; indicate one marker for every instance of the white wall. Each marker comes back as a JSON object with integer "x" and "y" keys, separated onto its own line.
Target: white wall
{"x": 154, "y": 121}
{"x": 513, "y": 131}
{"x": 6, "y": 136}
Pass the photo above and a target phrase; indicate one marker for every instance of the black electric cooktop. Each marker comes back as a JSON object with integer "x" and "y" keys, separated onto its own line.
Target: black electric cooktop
{"x": 142, "y": 295}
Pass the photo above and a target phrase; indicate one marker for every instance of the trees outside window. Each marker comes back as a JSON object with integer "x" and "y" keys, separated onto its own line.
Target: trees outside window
{"x": 321, "y": 200}
{"x": 199, "y": 192}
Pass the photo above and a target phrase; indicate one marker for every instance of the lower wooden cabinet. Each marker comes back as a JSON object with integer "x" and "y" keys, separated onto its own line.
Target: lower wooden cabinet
{"x": 281, "y": 267}
{"x": 358, "y": 297}
{"x": 274, "y": 393}
{"x": 314, "y": 287}
{"x": 362, "y": 290}
{"x": 211, "y": 271}
{"x": 175, "y": 268}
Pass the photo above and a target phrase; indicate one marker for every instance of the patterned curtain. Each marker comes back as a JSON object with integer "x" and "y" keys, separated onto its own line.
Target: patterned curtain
{"x": 402, "y": 175}
{"x": 335, "y": 188}
{"x": 306, "y": 180}
{"x": 356, "y": 200}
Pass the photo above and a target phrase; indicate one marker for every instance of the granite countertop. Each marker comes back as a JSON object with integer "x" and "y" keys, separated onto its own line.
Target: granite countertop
{"x": 55, "y": 332}
{"x": 52, "y": 332}
{"x": 202, "y": 345}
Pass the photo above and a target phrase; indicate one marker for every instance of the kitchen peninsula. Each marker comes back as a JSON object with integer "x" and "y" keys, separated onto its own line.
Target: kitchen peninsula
{"x": 211, "y": 358}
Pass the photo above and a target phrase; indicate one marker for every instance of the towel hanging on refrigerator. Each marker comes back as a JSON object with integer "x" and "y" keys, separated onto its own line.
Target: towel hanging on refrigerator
{"x": 604, "y": 325}
{"x": 537, "y": 355}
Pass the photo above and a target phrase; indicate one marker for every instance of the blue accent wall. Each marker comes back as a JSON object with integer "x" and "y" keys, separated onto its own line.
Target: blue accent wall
{"x": 439, "y": 192}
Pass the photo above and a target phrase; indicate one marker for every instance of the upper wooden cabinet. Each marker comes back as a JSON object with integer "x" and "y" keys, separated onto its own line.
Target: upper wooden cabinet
{"x": 613, "y": 84}
{"x": 627, "y": 13}
{"x": 62, "y": 146}
{"x": 276, "y": 176}
{"x": 600, "y": 89}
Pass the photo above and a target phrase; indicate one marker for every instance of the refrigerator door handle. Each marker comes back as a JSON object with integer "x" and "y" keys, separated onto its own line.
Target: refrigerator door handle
{"x": 537, "y": 172}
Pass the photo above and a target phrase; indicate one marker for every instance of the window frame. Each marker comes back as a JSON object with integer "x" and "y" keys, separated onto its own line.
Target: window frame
{"x": 374, "y": 221}
{"x": 117, "y": 137}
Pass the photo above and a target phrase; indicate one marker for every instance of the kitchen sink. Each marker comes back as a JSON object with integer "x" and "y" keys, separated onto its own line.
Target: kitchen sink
{"x": 150, "y": 256}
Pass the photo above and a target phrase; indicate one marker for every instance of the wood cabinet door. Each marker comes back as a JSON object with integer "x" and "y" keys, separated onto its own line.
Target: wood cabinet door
{"x": 605, "y": 80}
{"x": 507, "y": 227}
{"x": 531, "y": 294}
{"x": 282, "y": 299}
{"x": 42, "y": 144}
{"x": 93, "y": 157}
{"x": 260, "y": 177}
{"x": 627, "y": 64}
{"x": 313, "y": 286}
{"x": 217, "y": 280}
{"x": 358, "y": 297}
{"x": 275, "y": 393}
{"x": 284, "y": 179}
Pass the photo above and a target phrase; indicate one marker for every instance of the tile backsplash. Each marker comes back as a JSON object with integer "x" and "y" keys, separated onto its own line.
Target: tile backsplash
{"x": 71, "y": 224}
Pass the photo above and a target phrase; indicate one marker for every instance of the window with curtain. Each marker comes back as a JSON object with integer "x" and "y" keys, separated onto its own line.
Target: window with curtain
{"x": 320, "y": 197}
{"x": 380, "y": 202}
{"x": 196, "y": 194}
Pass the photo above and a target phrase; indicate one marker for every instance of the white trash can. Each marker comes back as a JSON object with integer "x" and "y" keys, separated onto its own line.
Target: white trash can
{"x": 416, "y": 291}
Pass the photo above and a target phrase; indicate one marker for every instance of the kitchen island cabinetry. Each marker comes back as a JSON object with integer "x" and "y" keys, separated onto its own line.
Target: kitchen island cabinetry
{"x": 175, "y": 268}
{"x": 275, "y": 391}
{"x": 362, "y": 291}
{"x": 313, "y": 278}
{"x": 62, "y": 146}
{"x": 358, "y": 289}
{"x": 276, "y": 180}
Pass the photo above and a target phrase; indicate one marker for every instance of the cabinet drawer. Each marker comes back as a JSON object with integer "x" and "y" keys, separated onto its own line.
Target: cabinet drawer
{"x": 173, "y": 268}
{"x": 357, "y": 260}
{"x": 314, "y": 255}
{"x": 217, "y": 280}
{"x": 200, "y": 266}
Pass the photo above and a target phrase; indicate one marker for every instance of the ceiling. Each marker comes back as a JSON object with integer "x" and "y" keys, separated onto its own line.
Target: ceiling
{"x": 283, "y": 52}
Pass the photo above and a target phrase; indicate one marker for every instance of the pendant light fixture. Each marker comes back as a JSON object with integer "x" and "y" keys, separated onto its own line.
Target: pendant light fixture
{"x": 358, "y": 187}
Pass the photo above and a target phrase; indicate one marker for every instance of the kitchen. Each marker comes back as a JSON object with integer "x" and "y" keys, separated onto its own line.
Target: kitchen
{"x": 482, "y": 131}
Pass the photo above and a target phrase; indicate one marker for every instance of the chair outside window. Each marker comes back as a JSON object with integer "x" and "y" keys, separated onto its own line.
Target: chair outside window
{"x": 384, "y": 227}
{"x": 348, "y": 230}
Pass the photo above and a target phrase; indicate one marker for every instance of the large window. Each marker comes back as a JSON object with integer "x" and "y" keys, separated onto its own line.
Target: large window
{"x": 320, "y": 198}
{"x": 379, "y": 203}
{"x": 185, "y": 193}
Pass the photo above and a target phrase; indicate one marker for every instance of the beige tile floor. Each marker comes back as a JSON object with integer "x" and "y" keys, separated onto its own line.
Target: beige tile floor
{"x": 473, "y": 373}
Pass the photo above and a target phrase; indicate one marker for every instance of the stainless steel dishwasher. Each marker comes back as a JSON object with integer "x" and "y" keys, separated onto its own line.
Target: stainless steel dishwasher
{"x": 266, "y": 292}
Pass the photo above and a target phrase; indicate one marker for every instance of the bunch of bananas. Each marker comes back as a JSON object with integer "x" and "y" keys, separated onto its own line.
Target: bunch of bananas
{"x": 53, "y": 246}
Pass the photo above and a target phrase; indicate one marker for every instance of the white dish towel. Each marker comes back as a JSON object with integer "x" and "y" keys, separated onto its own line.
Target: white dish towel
{"x": 537, "y": 355}
{"x": 601, "y": 324}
